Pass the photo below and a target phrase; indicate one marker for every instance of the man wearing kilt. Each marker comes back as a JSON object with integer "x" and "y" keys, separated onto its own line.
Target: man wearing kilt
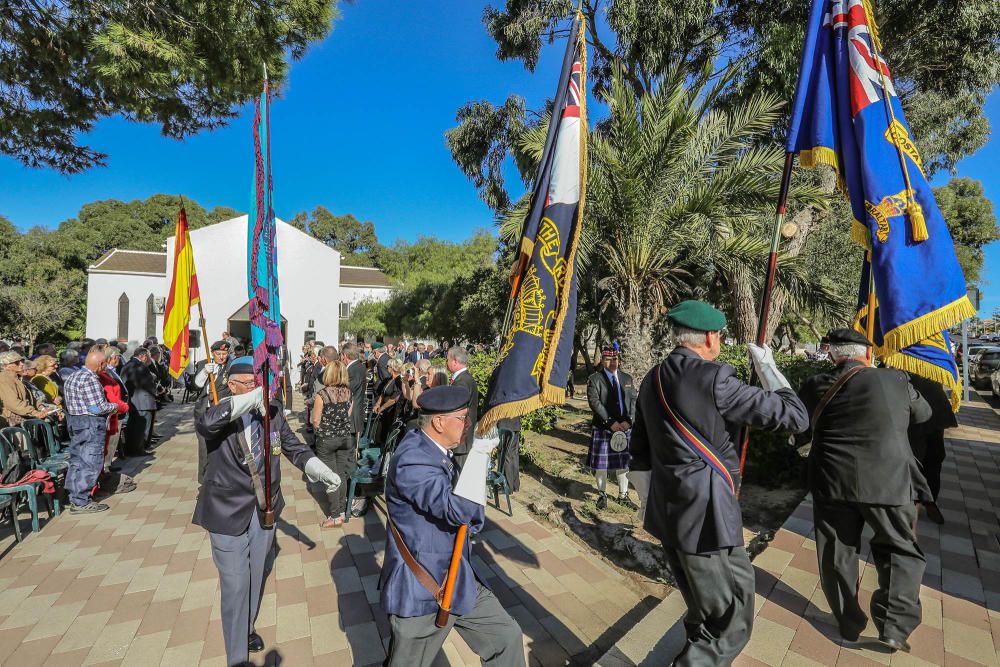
{"x": 611, "y": 394}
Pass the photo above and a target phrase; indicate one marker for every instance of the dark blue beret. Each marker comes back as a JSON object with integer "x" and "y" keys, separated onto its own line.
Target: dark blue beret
{"x": 241, "y": 366}
{"x": 440, "y": 400}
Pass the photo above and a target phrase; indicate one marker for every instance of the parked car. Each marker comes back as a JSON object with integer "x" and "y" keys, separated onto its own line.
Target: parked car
{"x": 974, "y": 350}
{"x": 982, "y": 365}
{"x": 995, "y": 383}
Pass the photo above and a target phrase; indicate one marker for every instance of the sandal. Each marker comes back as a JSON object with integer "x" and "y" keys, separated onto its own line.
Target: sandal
{"x": 333, "y": 522}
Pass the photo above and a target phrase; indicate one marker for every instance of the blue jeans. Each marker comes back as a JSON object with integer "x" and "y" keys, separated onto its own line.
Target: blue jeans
{"x": 86, "y": 455}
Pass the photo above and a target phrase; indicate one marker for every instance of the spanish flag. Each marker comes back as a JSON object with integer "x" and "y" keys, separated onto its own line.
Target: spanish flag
{"x": 183, "y": 295}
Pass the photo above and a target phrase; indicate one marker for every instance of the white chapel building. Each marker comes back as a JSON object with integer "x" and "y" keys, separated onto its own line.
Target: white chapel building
{"x": 127, "y": 289}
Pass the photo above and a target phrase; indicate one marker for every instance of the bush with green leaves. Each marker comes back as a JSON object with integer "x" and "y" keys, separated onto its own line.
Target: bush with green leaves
{"x": 771, "y": 460}
{"x": 481, "y": 366}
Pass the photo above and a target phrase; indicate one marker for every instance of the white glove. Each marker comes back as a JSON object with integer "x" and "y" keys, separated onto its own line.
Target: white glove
{"x": 771, "y": 378}
{"x": 202, "y": 377}
{"x": 317, "y": 471}
{"x": 640, "y": 481}
{"x": 471, "y": 483}
{"x": 244, "y": 403}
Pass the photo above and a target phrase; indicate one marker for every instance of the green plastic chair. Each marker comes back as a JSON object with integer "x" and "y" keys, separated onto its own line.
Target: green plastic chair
{"x": 496, "y": 481}
{"x": 56, "y": 468}
{"x": 45, "y": 441}
{"x": 9, "y": 506}
{"x": 30, "y": 491}
{"x": 373, "y": 463}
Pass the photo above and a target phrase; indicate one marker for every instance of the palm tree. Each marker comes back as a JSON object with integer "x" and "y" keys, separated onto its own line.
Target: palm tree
{"x": 680, "y": 199}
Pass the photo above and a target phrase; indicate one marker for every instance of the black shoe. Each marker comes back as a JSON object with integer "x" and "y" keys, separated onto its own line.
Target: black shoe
{"x": 626, "y": 502}
{"x": 255, "y": 643}
{"x": 115, "y": 467}
{"x": 850, "y": 635}
{"x": 934, "y": 513}
{"x": 602, "y": 501}
{"x": 89, "y": 508}
{"x": 894, "y": 644}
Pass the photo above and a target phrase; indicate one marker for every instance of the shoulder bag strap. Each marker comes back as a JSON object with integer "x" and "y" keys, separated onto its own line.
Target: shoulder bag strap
{"x": 686, "y": 433}
{"x": 258, "y": 488}
{"x": 830, "y": 393}
{"x": 419, "y": 571}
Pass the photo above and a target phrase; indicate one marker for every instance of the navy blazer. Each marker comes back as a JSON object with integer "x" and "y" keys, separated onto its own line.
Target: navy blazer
{"x": 427, "y": 514}
{"x": 226, "y": 499}
{"x": 690, "y": 507}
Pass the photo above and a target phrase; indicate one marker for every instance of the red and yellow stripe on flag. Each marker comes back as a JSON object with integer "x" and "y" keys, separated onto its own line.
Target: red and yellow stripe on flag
{"x": 183, "y": 295}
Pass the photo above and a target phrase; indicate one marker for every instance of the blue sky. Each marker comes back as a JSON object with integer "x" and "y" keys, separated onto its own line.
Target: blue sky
{"x": 358, "y": 129}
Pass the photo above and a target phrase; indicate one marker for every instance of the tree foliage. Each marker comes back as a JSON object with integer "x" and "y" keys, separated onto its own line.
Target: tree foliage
{"x": 970, "y": 218}
{"x": 356, "y": 241}
{"x": 366, "y": 320}
{"x": 184, "y": 65}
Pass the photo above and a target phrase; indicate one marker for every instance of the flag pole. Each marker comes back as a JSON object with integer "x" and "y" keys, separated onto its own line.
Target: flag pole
{"x": 772, "y": 270}
{"x": 870, "y": 322}
{"x": 208, "y": 349}
{"x": 266, "y": 386}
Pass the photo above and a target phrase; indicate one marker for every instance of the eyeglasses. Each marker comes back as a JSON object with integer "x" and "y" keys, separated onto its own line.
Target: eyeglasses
{"x": 464, "y": 418}
{"x": 245, "y": 383}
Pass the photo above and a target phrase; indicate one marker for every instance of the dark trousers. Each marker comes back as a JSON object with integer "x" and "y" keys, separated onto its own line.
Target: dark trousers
{"x": 718, "y": 588}
{"x": 488, "y": 630}
{"x": 86, "y": 455}
{"x": 140, "y": 427}
{"x": 340, "y": 454}
{"x": 899, "y": 563}
{"x": 928, "y": 448}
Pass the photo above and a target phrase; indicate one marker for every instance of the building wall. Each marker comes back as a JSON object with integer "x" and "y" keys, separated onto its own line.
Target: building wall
{"x": 103, "y": 292}
{"x": 308, "y": 272}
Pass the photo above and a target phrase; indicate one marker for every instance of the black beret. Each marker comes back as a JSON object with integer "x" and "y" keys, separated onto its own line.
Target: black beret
{"x": 846, "y": 337}
{"x": 447, "y": 398}
{"x": 220, "y": 345}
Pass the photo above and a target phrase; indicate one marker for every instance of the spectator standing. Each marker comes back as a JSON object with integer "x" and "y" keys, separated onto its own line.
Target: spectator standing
{"x": 357, "y": 376}
{"x": 389, "y": 400}
{"x": 87, "y": 410}
{"x": 611, "y": 394}
{"x": 141, "y": 386}
{"x": 17, "y": 401}
{"x": 381, "y": 365}
{"x": 458, "y": 364}
{"x": 114, "y": 393}
{"x": 69, "y": 363}
{"x": 331, "y": 420}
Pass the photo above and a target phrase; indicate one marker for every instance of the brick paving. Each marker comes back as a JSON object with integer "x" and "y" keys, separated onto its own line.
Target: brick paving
{"x": 960, "y": 595}
{"x": 136, "y": 585}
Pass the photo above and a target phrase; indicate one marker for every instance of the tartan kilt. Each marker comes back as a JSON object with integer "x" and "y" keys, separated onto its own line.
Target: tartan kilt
{"x": 600, "y": 456}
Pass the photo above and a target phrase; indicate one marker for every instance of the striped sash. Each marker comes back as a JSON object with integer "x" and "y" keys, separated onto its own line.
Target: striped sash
{"x": 686, "y": 433}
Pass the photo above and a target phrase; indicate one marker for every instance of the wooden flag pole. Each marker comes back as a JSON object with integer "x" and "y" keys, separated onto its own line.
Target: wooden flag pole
{"x": 266, "y": 386}
{"x": 870, "y": 323}
{"x": 449, "y": 583}
{"x": 208, "y": 348}
{"x": 772, "y": 270}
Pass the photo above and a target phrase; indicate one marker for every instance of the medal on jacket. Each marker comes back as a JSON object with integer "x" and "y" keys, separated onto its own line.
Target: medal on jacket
{"x": 275, "y": 444}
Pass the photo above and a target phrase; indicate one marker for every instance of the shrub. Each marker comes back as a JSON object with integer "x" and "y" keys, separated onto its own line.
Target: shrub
{"x": 771, "y": 460}
{"x": 481, "y": 366}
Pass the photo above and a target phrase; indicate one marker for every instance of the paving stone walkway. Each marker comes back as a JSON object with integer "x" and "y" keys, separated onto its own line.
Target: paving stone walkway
{"x": 960, "y": 594}
{"x": 136, "y": 585}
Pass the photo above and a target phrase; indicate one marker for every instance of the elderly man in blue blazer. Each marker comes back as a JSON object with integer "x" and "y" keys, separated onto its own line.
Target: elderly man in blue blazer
{"x": 425, "y": 515}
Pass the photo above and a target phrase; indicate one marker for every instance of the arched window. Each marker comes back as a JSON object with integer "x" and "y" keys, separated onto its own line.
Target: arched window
{"x": 123, "y": 317}
{"x": 150, "y": 318}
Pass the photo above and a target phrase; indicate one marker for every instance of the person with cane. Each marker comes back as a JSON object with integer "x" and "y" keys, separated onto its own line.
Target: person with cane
{"x": 428, "y": 584}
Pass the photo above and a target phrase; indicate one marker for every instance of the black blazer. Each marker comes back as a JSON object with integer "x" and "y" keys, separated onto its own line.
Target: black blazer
{"x": 358, "y": 376}
{"x": 861, "y": 452}
{"x": 141, "y": 385}
{"x": 466, "y": 380}
{"x": 226, "y": 499}
{"x": 603, "y": 402}
{"x": 690, "y": 507}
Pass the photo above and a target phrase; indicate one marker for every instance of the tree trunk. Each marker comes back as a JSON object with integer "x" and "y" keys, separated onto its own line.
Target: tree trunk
{"x": 580, "y": 345}
{"x": 636, "y": 336}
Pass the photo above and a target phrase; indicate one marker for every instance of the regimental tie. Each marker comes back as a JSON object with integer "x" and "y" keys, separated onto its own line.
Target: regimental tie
{"x": 257, "y": 443}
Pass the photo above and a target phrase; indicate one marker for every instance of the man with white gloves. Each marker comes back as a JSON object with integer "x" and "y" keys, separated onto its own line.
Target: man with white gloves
{"x": 688, "y": 418}
{"x": 230, "y": 501}
{"x": 425, "y": 515}
{"x": 217, "y": 368}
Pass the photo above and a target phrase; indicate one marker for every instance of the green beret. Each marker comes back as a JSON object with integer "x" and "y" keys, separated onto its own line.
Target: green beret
{"x": 377, "y": 345}
{"x": 697, "y": 315}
